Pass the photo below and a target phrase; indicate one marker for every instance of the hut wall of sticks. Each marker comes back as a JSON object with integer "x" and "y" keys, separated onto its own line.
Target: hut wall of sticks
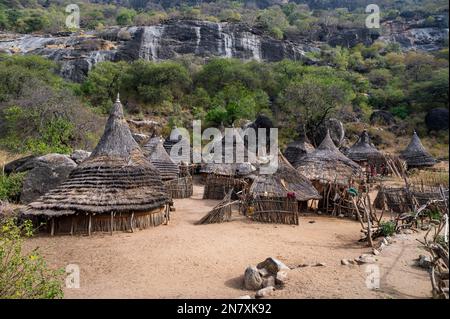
{"x": 178, "y": 182}
{"x": 217, "y": 186}
{"x": 115, "y": 189}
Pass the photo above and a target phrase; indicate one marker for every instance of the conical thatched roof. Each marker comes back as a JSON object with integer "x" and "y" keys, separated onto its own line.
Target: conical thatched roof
{"x": 156, "y": 153}
{"x": 297, "y": 149}
{"x": 285, "y": 180}
{"x": 327, "y": 163}
{"x": 362, "y": 150}
{"x": 416, "y": 155}
{"x": 176, "y": 137}
{"x": 224, "y": 168}
{"x": 115, "y": 178}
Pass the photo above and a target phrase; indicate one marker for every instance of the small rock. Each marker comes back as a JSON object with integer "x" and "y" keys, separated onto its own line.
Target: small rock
{"x": 320, "y": 265}
{"x": 312, "y": 221}
{"x": 381, "y": 247}
{"x": 341, "y": 215}
{"x": 303, "y": 265}
{"x": 345, "y": 262}
{"x": 281, "y": 278}
{"x": 319, "y": 213}
{"x": 244, "y": 297}
{"x": 272, "y": 265}
{"x": 252, "y": 278}
{"x": 265, "y": 292}
{"x": 376, "y": 252}
{"x": 268, "y": 282}
{"x": 425, "y": 227}
{"x": 352, "y": 262}
{"x": 385, "y": 241}
{"x": 366, "y": 259}
{"x": 424, "y": 261}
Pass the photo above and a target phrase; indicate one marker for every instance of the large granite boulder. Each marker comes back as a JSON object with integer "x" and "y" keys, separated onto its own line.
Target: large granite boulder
{"x": 382, "y": 117}
{"x": 79, "y": 155}
{"x": 437, "y": 119}
{"x": 44, "y": 173}
{"x": 337, "y": 132}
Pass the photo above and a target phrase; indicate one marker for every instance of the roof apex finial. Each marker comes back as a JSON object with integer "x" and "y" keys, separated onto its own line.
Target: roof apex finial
{"x": 118, "y": 98}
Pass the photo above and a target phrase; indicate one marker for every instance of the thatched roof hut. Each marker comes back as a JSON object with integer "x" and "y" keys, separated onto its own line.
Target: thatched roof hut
{"x": 116, "y": 188}
{"x": 416, "y": 155}
{"x": 275, "y": 198}
{"x": 156, "y": 153}
{"x": 175, "y": 138}
{"x": 363, "y": 150}
{"x": 297, "y": 149}
{"x": 328, "y": 165}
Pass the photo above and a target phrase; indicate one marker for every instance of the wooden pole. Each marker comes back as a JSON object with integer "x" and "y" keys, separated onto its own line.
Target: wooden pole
{"x": 112, "y": 223}
{"x": 89, "y": 224}
{"x": 52, "y": 231}
{"x": 131, "y": 222}
{"x": 71, "y": 226}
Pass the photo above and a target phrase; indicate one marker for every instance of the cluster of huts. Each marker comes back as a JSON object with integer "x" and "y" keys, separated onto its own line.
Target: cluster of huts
{"x": 122, "y": 186}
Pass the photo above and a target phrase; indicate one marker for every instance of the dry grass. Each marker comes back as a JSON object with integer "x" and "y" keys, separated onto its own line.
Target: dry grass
{"x": 6, "y": 157}
{"x": 430, "y": 178}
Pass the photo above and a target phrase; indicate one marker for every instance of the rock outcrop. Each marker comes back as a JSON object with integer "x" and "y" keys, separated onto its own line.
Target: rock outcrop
{"x": 79, "y": 52}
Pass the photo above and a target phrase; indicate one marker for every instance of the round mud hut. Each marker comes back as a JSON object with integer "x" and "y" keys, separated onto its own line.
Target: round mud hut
{"x": 278, "y": 197}
{"x": 115, "y": 189}
{"x": 415, "y": 155}
{"x": 177, "y": 185}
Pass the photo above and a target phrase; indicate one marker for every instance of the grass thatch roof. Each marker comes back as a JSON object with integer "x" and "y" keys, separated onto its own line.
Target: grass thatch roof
{"x": 223, "y": 167}
{"x": 285, "y": 180}
{"x": 328, "y": 164}
{"x": 156, "y": 153}
{"x": 363, "y": 150}
{"x": 174, "y": 138}
{"x": 115, "y": 178}
{"x": 416, "y": 155}
{"x": 296, "y": 150}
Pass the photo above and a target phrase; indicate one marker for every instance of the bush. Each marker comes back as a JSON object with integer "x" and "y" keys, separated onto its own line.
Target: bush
{"x": 387, "y": 228}
{"x": 10, "y": 186}
{"x": 24, "y": 275}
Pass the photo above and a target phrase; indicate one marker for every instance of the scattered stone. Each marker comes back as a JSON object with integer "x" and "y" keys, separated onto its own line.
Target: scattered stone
{"x": 265, "y": 292}
{"x": 425, "y": 227}
{"x": 389, "y": 239}
{"x": 424, "y": 261}
{"x": 345, "y": 262}
{"x": 376, "y": 252}
{"x": 366, "y": 259}
{"x": 281, "y": 278}
{"x": 320, "y": 265}
{"x": 303, "y": 265}
{"x": 244, "y": 297}
{"x": 312, "y": 221}
{"x": 319, "y": 213}
{"x": 252, "y": 278}
{"x": 272, "y": 265}
{"x": 352, "y": 262}
{"x": 381, "y": 247}
{"x": 341, "y": 215}
{"x": 268, "y": 282}
{"x": 385, "y": 242}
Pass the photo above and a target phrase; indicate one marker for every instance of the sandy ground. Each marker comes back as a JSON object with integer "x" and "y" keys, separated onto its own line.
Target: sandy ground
{"x": 184, "y": 260}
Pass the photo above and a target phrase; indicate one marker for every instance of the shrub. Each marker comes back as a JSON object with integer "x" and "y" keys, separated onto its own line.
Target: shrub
{"x": 10, "y": 186}
{"x": 24, "y": 275}
{"x": 387, "y": 228}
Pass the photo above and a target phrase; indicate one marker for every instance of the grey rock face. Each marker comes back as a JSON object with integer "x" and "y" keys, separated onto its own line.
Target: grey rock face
{"x": 79, "y": 155}
{"x": 44, "y": 173}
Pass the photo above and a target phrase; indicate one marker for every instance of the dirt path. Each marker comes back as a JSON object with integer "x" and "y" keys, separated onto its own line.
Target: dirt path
{"x": 184, "y": 260}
